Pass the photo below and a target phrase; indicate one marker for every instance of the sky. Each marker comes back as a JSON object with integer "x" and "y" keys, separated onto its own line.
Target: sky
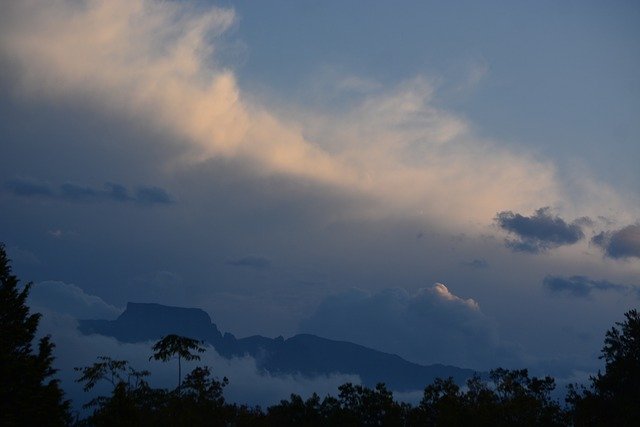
{"x": 453, "y": 182}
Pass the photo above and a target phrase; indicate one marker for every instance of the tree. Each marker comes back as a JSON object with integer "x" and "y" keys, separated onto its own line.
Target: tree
{"x": 613, "y": 397}
{"x": 442, "y": 403}
{"x": 523, "y": 401}
{"x": 511, "y": 398}
{"x": 131, "y": 401}
{"x": 172, "y": 345}
{"x": 28, "y": 394}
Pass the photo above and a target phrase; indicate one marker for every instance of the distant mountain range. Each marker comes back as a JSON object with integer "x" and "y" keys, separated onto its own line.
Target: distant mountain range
{"x": 304, "y": 354}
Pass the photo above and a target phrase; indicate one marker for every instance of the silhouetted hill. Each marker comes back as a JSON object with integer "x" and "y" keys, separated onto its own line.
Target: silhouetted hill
{"x": 305, "y": 354}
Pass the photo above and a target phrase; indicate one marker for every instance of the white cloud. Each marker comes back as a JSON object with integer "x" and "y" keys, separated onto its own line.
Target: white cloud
{"x": 431, "y": 325}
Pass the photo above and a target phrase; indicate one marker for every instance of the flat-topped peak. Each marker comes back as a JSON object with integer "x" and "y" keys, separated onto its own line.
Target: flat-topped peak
{"x": 150, "y": 321}
{"x": 154, "y": 310}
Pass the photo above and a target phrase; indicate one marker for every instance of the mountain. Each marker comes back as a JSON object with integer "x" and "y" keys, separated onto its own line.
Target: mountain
{"x": 305, "y": 354}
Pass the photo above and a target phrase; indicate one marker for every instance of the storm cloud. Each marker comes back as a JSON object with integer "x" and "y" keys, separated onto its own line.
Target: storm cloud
{"x": 147, "y": 196}
{"x": 540, "y": 231}
{"x": 582, "y": 286}
{"x": 623, "y": 243}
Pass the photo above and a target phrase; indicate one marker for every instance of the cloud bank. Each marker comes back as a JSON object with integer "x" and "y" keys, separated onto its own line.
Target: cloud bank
{"x": 156, "y": 62}
{"x": 431, "y": 325}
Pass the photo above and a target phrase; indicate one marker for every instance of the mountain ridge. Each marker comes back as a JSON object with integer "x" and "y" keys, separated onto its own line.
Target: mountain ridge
{"x": 306, "y": 354}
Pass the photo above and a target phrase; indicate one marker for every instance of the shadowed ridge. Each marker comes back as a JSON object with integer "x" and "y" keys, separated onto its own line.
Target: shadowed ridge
{"x": 304, "y": 354}
{"x": 150, "y": 321}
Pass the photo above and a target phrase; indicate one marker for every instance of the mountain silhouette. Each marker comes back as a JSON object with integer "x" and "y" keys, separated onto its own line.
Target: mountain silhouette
{"x": 304, "y": 354}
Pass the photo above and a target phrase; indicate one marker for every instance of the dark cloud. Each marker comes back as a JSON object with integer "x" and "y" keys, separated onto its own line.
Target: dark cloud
{"x": 118, "y": 192}
{"x": 540, "y": 231}
{"x": 152, "y": 196}
{"x": 251, "y": 261}
{"x": 582, "y": 286}
{"x": 28, "y": 188}
{"x": 623, "y": 243}
{"x": 78, "y": 193}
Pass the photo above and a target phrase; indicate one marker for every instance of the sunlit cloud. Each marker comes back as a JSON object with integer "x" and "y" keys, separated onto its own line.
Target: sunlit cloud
{"x": 157, "y": 62}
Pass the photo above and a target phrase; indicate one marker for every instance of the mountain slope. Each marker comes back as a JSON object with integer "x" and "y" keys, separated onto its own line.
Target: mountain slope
{"x": 305, "y": 354}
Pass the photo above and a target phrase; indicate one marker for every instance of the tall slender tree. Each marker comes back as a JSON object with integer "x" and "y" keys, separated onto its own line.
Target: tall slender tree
{"x": 176, "y": 345}
{"x": 28, "y": 393}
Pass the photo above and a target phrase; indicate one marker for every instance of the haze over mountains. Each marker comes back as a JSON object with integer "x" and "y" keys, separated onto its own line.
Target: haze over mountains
{"x": 305, "y": 354}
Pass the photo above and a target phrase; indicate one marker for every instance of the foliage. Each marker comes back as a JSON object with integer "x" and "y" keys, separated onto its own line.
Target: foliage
{"x": 197, "y": 401}
{"x": 28, "y": 395}
{"x": 613, "y": 397}
{"x": 176, "y": 345}
{"x": 355, "y": 405}
{"x": 510, "y": 398}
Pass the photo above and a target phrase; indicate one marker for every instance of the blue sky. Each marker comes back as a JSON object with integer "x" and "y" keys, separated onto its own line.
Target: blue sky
{"x": 451, "y": 175}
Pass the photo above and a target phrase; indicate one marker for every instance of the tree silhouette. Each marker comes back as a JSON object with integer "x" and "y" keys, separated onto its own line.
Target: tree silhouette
{"x": 28, "y": 395}
{"x": 176, "y": 345}
{"x": 613, "y": 397}
{"x": 131, "y": 400}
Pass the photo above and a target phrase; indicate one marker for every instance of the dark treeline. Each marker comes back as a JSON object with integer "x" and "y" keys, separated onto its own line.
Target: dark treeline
{"x": 29, "y": 395}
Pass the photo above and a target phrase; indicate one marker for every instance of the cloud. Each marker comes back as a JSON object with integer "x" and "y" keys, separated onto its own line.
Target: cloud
{"x": 431, "y": 325}
{"x": 582, "y": 286}
{"x": 251, "y": 261}
{"x": 152, "y": 196}
{"x": 623, "y": 243}
{"x": 539, "y": 232}
{"x": 28, "y": 188}
{"x": 71, "y": 300}
{"x": 155, "y": 62}
{"x": 146, "y": 196}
